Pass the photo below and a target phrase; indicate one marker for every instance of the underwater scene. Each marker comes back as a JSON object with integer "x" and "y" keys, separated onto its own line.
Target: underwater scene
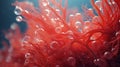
{"x": 60, "y": 33}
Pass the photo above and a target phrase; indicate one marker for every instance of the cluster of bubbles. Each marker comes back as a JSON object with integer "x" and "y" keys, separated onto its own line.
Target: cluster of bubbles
{"x": 18, "y": 12}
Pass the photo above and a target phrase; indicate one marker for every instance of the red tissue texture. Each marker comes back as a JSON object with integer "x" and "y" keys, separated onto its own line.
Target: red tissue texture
{"x": 59, "y": 37}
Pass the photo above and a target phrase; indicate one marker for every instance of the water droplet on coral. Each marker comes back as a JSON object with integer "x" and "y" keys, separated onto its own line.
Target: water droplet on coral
{"x": 18, "y": 10}
{"x": 54, "y": 45}
{"x": 27, "y": 55}
{"x": 19, "y": 18}
{"x": 71, "y": 61}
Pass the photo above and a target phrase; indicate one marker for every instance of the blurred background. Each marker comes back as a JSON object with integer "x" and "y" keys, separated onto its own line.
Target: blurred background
{"x": 7, "y": 16}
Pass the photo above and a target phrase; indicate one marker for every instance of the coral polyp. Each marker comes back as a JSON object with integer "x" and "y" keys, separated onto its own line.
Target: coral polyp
{"x": 57, "y": 37}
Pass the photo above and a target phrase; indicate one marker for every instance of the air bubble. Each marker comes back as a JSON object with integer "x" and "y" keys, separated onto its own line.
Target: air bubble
{"x": 98, "y": 3}
{"x": 38, "y": 40}
{"x": 78, "y": 14}
{"x": 117, "y": 33}
{"x": 70, "y": 34}
{"x": 97, "y": 61}
{"x": 18, "y": 10}
{"x": 71, "y": 16}
{"x": 13, "y": 26}
{"x": 100, "y": 63}
{"x": 19, "y": 18}
{"x": 107, "y": 55}
{"x": 47, "y": 12}
{"x": 54, "y": 45}
{"x": 95, "y": 19}
{"x": 77, "y": 24}
{"x": 25, "y": 40}
{"x": 27, "y": 55}
{"x": 45, "y": 3}
{"x": 57, "y": 10}
{"x": 26, "y": 61}
{"x": 58, "y": 29}
{"x": 71, "y": 61}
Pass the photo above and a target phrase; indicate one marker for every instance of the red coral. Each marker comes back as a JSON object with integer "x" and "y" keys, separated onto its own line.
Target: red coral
{"x": 54, "y": 41}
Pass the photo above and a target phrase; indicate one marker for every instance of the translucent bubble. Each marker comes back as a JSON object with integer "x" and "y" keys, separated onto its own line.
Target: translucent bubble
{"x": 53, "y": 21}
{"x": 117, "y": 33}
{"x": 26, "y": 61}
{"x": 45, "y": 3}
{"x": 77, "y": 24}
{"x": 58, "y": 10}
{"x": 38, "y": 40}
{"x": 58, "y": 29}
{"x": 47, "y": 12}
{"x": 70, "y": 34}
{"x": 97, "y": 61}
{"x": 100, "y": 63}
{"x": 95, "y": 19}
{"x": 71, "y": 16}
{"x": 71, "y": 61}
{"x": 98, "y": 3}
{"x": 19, "y": 18}
{"x": 54, "y": 45}
{"x": 107, "y": 54}
{"x": 78, "y": 14}
{"x": 13, "y": 26}
{"x": 27, "y": 55}
{"x": 18, "y": 10}
{"x": 25, "y": 40}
